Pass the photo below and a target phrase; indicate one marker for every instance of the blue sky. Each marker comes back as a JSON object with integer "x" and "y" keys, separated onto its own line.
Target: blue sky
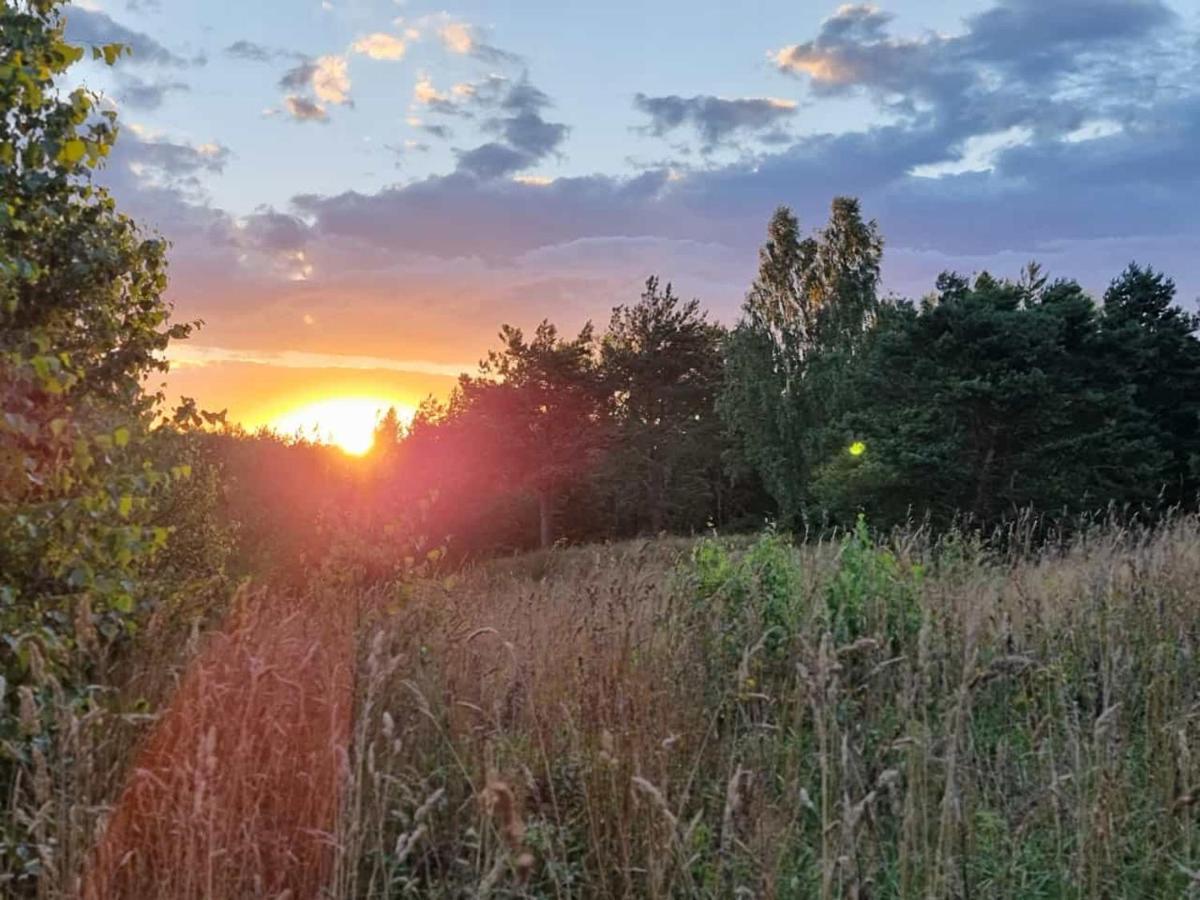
{"x": 592, "y": 59}
{"x": 365, "y": 186}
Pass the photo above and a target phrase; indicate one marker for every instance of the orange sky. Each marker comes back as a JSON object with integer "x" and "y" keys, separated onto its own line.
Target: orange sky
{"x": 258, "y": 394}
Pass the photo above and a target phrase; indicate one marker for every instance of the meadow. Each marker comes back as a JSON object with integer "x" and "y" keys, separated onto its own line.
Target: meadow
{"x": 902, "y": 717}
{"x": 858, "y": 595}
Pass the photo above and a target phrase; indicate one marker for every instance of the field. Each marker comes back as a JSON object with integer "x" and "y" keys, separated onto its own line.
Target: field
{"x": 853, "y": 578}
{"x": 670, "y": 718}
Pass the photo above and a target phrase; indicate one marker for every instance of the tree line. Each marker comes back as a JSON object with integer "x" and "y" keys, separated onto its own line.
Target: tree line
{"x": 986, "y": 399}
{"x": 578, "y": 436}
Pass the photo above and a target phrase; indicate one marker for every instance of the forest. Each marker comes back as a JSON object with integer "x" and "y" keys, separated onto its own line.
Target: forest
{"x": 858, "y": 595}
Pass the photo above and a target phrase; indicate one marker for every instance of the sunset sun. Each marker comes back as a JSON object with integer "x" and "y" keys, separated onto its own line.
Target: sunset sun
{"x": 344, "y": 422}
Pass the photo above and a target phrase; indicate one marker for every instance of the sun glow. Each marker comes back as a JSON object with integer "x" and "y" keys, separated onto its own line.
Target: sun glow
{"x": 345, "y": 422}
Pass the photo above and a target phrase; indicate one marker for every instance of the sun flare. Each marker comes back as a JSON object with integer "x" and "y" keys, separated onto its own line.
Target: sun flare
{"x": 344, "y": 422}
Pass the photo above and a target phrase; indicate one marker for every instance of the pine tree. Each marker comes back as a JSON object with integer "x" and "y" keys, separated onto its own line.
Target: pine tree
{"x": 536, "y": 405}
{"x": 985, "y": 400}
{"x": 1151, "y": 346}
{"x": 661, "y": 364}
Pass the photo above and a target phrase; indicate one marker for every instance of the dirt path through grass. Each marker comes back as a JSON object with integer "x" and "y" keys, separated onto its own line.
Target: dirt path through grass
{"x": 235, "y": 792}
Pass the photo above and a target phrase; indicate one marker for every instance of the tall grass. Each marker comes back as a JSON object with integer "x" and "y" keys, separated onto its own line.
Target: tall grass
{"x": 907, "y": 718}
{"x": 849, "y": 719}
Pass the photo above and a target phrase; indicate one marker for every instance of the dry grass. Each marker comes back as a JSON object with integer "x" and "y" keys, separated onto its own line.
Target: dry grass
{"x": 231, "y": 792}
{"x": 680, "y": 719}
{"x": 841, "y": 720}
{"x": 235, "y": 793}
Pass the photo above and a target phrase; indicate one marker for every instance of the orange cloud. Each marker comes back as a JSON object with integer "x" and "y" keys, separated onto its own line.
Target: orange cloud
{"x": 331, "y": 79}
{"x": 457, "y": 37}
{"x": 380, "y": 46}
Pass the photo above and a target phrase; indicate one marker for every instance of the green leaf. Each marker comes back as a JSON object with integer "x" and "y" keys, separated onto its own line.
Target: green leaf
{"x": 112, "y": 52}
{"x": 72, "y": 151}
{"x": 121, "y": 436}
{"x": 125, "y": 506}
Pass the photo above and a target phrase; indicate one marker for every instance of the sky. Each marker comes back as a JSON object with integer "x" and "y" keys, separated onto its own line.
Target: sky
{"x": 359, "y": 193}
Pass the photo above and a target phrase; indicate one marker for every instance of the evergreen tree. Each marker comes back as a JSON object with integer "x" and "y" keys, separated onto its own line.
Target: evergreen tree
{"x": 537, "y": 406}
{"x": 1151, "y": 346}
{"x": 985, "y": 400}
{"x": 661, "y": 363}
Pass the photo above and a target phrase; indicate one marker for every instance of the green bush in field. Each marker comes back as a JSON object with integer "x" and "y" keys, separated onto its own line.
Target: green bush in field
{"x": 870, "y": 588}
{"x": 756, "y": 596}
{"x": 759, "y": 593}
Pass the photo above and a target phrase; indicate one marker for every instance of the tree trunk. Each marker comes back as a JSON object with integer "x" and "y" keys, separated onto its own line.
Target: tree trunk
{"x": 656, "y": 512}
{"x": 545, "y": 519}
{"x": 656, "y": 496}
{"x": 981, "y": 488}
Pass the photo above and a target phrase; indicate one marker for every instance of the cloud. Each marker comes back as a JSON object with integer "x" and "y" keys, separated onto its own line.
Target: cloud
{"x": 510, "y": 111}
{"x": 457, "y": 37}
{"x": 1049, "y": 69}
{"x": 302, "y": 109}
{"x": 249, "y": 51}
{"x": 88, "y": 26}
{"x": 1139, "y": 182}
{"x": 428, "y": 96}
{"x": 299, "y": 77}
{"x": 458, "y": 215}
{"x": 493, "y": 160}
{"x": 188, "y": 354}
{"x": 1002, "y": 34}
{"x": 141, "y": 93}
{"x": 380, "y": 46}
{"x": 463, "y": 39}
{"x": 172, "y": 159}
{"x": 271, "y": 232}
{"x": 442, "y": 132}
{"x": 331, "y": 80}
{"x": 518, "y": 120}
{"x": 1027, "y": 42}
{"x": 409, "y": 147}
{"x": 468, "y": 98}
{"x": 327, "y": 77}
{"x": 715, "y": 119}
{"x": 529, "y": 133}
{"x": 277, "y": 240}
